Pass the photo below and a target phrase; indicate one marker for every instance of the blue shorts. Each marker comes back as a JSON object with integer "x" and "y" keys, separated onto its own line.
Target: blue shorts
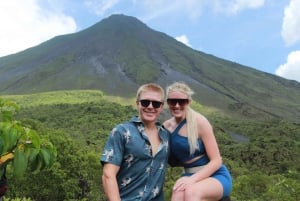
{"x": 224, "y": 177}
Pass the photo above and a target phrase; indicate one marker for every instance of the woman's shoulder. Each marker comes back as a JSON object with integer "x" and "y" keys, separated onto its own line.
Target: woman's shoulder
{"x": 202, "y": 121}
{"x": 200, "y": 117}
{"x": 168, "y": 121}
{"x": 169, "y": 124}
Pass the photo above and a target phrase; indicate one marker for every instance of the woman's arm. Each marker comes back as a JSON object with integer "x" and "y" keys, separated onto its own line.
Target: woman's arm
{"x": 207, "y": 136}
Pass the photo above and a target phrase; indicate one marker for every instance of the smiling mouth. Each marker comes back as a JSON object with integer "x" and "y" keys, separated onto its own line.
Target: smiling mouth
{"x": 177, "y": 108}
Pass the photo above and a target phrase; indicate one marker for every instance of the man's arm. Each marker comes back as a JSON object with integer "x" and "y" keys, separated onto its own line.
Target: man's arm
{"x": 109, "y": 182}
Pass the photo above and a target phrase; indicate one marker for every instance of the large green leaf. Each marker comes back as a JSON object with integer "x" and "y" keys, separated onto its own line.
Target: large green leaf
{"x": 14, "y": 134}
{"x": 33, "y": 137}
{"x": 19, "y": 163}
{"x": 5, "y": 136}
{"x": 9, "y": 135}
{"x": 45, "y": 156}
{"x": 51, "y": 150}
{"x": 35, "y": 164}
{"x": 31, "y": 154}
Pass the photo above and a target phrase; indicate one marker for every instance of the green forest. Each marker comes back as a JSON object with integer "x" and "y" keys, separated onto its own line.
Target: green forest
{"x": 263, "y": 156}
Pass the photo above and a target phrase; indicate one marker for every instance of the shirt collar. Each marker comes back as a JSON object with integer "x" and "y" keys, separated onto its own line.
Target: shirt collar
{"x": 138, "y": 121}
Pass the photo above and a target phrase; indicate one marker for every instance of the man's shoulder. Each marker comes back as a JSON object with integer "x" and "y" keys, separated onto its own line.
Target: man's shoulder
{"x": 127, "y": 125}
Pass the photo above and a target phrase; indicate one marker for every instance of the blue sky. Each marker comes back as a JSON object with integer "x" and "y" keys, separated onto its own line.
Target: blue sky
{"x": 262, "y": 34}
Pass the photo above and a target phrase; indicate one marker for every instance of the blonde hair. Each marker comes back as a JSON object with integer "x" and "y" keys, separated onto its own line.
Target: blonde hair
{"x": 191, "y": 115}
{"x": 150, "y": 87}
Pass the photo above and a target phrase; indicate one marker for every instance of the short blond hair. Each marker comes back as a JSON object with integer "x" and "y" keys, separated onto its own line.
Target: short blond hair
{"x": 150, "y": 87}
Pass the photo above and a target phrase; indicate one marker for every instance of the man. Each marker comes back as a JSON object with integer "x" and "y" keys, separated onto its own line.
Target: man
{"x": 136, "y": 153}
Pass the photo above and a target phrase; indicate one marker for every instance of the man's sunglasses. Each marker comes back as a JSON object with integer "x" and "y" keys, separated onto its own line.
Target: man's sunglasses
{"x": 174, "y": 101}
{"x": 155, "y": 104}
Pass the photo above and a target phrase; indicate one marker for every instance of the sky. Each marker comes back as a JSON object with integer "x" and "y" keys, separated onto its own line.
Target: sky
{"x": 261, "y": 34}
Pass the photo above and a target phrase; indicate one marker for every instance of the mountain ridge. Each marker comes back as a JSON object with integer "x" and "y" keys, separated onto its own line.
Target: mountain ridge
{"x": 120, "y": 52}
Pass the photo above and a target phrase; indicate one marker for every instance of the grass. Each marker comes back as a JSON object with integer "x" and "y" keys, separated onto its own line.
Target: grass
{"x": 58, "y": 97}
{"x": 86, "y": 96}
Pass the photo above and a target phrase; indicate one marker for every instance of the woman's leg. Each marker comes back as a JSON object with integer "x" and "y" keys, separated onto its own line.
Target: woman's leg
{"x": 207, "y": 189}
{"x": 177, "y": 196}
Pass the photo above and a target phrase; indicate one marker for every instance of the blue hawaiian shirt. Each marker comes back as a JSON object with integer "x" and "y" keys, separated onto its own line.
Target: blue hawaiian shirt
{"x": 141, "y": 175}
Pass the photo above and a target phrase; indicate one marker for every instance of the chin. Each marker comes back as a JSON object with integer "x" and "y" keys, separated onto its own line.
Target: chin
{"x": 149, "y": 117}
{"x": 177, "y": 114}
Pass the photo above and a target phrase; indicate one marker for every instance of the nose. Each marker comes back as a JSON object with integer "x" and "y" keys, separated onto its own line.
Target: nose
{"x": 177, "y": 104}
{"x": 150, "y": 105}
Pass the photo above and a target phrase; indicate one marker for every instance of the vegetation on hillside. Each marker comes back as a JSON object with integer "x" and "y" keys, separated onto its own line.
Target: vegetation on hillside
{"x": 264, "y": 158}
{"x": 120, "y": 52}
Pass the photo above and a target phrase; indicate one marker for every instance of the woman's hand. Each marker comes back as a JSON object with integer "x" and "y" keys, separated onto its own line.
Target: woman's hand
{"x": 182, "y": 183}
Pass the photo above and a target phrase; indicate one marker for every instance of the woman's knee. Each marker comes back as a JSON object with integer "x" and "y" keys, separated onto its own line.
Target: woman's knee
{"x": 177, "y": 195}
{"x": 192, "y": 192}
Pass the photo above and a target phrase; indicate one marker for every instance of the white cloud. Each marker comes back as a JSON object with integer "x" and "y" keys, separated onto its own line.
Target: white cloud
{"x": 25, "y": 24}
{"x": 99, "y": 7}
{"x": 291, "y": 69}
{"x": 291, "y": 23}
{"x": 236, "y": 6}
{"x": 184, "y": 39}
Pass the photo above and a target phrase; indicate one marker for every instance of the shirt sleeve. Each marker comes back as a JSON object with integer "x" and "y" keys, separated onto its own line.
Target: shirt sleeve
{"x": 114, "y": 148}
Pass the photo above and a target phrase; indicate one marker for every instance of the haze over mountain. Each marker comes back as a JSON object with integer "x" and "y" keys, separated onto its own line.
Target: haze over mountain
{"x": 120, "y": 52}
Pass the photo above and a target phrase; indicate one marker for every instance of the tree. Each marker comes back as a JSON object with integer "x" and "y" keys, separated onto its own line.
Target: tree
{"x": 20, "y": 146}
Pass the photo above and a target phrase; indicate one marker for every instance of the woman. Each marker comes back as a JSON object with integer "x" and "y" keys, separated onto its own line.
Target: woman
{"x": 194, "y": 147}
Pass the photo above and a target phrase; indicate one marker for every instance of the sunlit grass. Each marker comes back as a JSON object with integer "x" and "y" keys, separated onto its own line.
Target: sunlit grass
{"x": 65, "y": 97}
{"x": 86, "y": 96}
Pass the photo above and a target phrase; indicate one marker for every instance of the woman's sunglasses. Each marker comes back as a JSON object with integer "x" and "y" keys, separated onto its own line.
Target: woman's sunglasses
{"x": 174, "y": 101}
{"x": 155, "y": 104}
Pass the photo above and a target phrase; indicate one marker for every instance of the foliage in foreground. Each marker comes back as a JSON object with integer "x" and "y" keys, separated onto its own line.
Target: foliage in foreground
{"x": 20, "y": 146}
